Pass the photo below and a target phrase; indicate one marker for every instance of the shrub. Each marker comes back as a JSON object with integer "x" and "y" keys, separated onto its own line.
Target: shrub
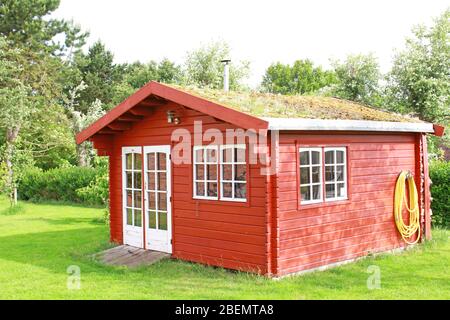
{"x": 440, "y": 191}
{"x": 97, "y": 192}
{"x": 60, "y": 184}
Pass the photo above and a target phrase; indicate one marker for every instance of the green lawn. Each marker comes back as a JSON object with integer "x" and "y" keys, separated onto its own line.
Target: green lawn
{"x": 40, "y": 241}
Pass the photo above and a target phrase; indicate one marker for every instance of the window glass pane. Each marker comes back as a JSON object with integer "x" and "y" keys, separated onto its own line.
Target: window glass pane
{"x": 239, "y": 154}
{"x": 200, "y": 172}
{"x": 162, "y": 201}
{"x": 240, "y": 171}
{"x": 150, "y": 161}
{"x": 137, "y": 199}
{"x": 129, "y": 160}
{"x": 340, "y": 157}
{"x": 339, "y": 173}
{"x": 341, "y": 190}
{"x": 329, "y": 190}
{"x": 129, "y": 182}
{"x": 304, "y": 157}
{"x": 212, "y": 189}
{"x": 304, "y": 175}
{"x": 200, "y": 188}
{"x": 152, "y": 200}
{"x": 151, "y": 180}
{"x": 129, "y": 198}
{"x": 137, "y": 180}
{"x": 162, "y": 161}
{"x": 227, "y": 190}
{"x": 227, "y": 172}
{"x": 162, "y": 181}
{"x": 130, "y": 217}
{"x": 199, "y": 155}
{"x": 305, "y": 193}
{"x": 315, "y": 174}
{"x": 316, "y": 192}
{"x": 329, "y": 173}
{"x": 212, "y": 172}
{"x": 152, "y": 219}
{"x": 227, "y": 155}
{"x": 162, "y": 220}
{"x": 211, "y": 155}
{"x": 329, "y": 157}
{"x": 240, "y": 190}
{"x": 315, "y": 157}
{"x": 137, "y": 218}
{"x": 137, "y": 161}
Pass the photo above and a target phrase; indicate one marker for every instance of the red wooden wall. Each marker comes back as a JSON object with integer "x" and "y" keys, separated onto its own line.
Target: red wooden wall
{"x": 221, "y": 233}
{"x": 315, "y": 235}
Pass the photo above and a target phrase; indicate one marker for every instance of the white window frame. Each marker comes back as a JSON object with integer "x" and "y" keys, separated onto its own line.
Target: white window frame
{"x": 204, "y": 180}
{"x": 311, "y": 184}
{"x": 233, "y": 181}
{"x": 335, "y": 164}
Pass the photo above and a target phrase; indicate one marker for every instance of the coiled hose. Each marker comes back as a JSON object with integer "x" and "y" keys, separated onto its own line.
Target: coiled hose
{"x": 407, "y": 231}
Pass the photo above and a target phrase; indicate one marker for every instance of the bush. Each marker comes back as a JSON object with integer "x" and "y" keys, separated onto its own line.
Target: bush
{"x": 97, "y": 192}
{"x": 440, "y": 191}
{"x": 60, "y": 184}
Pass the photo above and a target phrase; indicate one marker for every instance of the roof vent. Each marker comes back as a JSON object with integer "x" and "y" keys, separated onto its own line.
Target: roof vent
{"x": 226, "y": 74}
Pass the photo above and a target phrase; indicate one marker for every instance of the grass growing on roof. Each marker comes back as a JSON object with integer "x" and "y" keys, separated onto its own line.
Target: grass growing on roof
{"x": 39, "y": 242}
{"x": 283, "y": 106}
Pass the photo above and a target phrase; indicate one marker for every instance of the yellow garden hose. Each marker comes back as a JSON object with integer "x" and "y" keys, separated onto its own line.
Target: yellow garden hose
{"x": 407, "y": 231}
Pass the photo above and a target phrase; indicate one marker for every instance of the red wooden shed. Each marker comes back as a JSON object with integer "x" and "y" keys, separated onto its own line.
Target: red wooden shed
{"x": 257, "y": 182}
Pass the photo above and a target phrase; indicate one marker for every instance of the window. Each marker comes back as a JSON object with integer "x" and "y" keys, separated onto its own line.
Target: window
{"x": 335, "y": 174}
{"x": 205, "y": 172}
{"x": 330, "y": 161}
{"x": 233, "y": 173}
{"x": 311, "y": 175}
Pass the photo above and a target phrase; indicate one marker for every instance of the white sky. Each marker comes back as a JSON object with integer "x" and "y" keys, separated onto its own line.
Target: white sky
{"x": 259, "y": 31}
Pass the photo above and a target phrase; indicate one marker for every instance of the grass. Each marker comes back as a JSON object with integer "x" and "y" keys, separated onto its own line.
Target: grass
{"x": 40, "y": 241}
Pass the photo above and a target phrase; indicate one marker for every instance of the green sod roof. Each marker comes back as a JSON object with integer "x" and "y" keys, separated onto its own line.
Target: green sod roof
{"x": 306, "y": 107}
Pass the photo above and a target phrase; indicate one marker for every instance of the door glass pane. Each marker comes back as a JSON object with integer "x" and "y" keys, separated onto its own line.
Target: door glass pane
{"x": 304, "y": 157}
{"x": 240, "y": 171}
{"x": 240, "y": 190}
{"x": 162, "y": 182}
{"x": 211, "y": 155}
{"x": 137, "y": 180}
{"x": 200, "y": 172}
{"x": 151, "y": 180}
{"x": 339, "y": 173}
{"x": 329, "y": 157}
{"x": 200, "y": 189}
{"x": 240, "y": 155}
{"x": 129, "y": 182}
{"x": 150, "y": 161}
{"x": 152, "y": 219}
{"x": 315, "y": 157}
{"x": 227, "y": 155}
{"x": 305, "y": 193}
{"x": 151, "y": 200}
{"x": 199, "y": 155}
{"x": 129, "y": 160}
{"x": 129, "y": 198}
{"x": 212, "y": 172}
{"x": 212, "y": 189}
{"x": 315, "y": 174}
{"x": 137, "y": 199}
{"x": 162, "y": 220}
{"x": 339, "y": 156}
{"x": 227, "y": 172}
{"x": 162, "y": 161}
{"x": 329, "y": 190}
{"x": 162, "y": 201}
{"x": 137, "y": 218}
{"x": 304, "y": 175}
{"x": 130, "y": 217}
{"x": 227, "y": 190}
{"x": 340, "y": 190}
{"x": 137, "y": 161}
{"x": 329, "y": 173}
{"x": 316, "y": 192}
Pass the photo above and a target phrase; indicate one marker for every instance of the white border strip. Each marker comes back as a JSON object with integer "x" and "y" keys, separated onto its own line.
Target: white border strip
{"x": 347, "y": 125}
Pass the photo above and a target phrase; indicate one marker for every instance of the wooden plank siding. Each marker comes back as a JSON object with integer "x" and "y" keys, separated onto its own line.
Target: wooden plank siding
{"x": 315, "y": 235}
{"x": 219, "y": 233}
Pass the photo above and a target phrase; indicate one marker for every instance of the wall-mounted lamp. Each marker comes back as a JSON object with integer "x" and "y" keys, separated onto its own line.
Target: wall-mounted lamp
{"x": 171, "y": 117}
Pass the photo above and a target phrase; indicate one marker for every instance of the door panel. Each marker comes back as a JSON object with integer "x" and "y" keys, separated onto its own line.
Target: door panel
{"x": 157, "y": 198}
{"x": 132, "y": 196}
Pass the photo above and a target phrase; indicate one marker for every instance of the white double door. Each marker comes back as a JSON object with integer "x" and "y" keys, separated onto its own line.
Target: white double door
{"x": 147, "y": 214}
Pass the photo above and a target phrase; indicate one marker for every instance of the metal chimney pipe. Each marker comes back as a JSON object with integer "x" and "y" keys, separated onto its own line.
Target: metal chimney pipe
{"x": 226, "y": 74}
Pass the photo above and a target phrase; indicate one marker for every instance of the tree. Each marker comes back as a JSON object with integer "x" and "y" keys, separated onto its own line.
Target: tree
{"x": 203, "y": 67}
{"x": 419, "y": 79}
{"x": 300, "y": 78}
{"x": 358, "y": 79}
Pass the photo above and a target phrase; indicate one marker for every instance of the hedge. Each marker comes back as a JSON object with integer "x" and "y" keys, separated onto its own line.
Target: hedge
{"x": 60, "y": 184}
{"x": 440, "y": 191}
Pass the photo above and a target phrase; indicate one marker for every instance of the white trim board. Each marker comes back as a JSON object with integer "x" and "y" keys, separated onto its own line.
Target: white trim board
{"x": 347, "y": 125}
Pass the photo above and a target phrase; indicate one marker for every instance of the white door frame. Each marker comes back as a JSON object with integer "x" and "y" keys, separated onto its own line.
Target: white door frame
{"x": 132, "y": 235}
{"x": 159, "y": 240}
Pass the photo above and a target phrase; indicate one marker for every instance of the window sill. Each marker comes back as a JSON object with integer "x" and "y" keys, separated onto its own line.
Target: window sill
{"x": 321, "y": 204}
{"x": 222, "y": 201}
